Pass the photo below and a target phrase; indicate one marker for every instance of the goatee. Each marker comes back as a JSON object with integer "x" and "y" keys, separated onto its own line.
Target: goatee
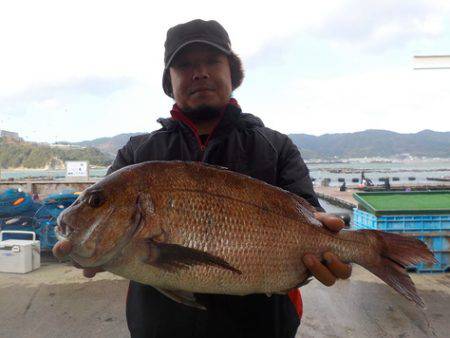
{"x": 202, "y": 113}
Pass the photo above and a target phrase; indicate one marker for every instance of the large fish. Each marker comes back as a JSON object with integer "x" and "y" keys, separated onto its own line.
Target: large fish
{"x": 186, "y": 227}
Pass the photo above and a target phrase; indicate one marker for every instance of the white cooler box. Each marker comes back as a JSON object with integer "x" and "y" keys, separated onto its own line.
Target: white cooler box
{"x": 19, "y": 255}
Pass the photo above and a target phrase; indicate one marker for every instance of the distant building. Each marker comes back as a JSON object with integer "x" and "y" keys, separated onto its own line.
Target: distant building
{"x": 10, "y": 135}
{"x": 432, "y": 61}
{"x": 67, "y": 146}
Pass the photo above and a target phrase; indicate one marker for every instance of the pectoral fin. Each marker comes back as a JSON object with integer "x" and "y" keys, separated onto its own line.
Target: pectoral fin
{"x": 172, "y": 257}
{"x": 186, "y": 298}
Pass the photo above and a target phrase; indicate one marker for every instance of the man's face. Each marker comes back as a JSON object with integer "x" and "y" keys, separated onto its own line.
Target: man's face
{"x": 201, "y": 78}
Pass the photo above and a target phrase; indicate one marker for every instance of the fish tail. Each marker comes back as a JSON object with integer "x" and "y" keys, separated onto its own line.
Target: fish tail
{"x": 395, "y": 252}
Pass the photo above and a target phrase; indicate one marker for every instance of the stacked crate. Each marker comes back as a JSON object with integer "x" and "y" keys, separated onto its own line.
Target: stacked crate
{"x": 423, "y": 215}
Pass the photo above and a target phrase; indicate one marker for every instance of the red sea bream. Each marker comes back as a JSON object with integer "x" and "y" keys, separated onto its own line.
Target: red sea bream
{"x": 186, "y": 227}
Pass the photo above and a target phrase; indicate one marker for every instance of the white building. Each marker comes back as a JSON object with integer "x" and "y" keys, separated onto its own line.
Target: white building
{"x": 10, "y": 135}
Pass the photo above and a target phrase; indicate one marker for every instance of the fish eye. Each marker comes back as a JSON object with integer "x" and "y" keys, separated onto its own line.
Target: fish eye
{"x": 96, "y": 199}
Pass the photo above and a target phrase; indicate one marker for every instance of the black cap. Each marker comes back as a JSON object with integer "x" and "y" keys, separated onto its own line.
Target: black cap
{"x": 209, "y": 32}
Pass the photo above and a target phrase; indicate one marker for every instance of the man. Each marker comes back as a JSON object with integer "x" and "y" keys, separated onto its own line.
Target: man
{"x": 201, "y": 72}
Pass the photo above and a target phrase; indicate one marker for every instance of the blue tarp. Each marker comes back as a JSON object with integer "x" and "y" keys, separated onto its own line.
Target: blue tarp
{"x": 14, "y": 202}
{"x": 53, "y": 204}
{"x": 32, "y": 216}
{"x": 46, "y": 234}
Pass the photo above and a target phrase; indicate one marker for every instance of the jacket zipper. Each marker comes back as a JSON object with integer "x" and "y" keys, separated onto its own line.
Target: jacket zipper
{"x": 178, "y": 115}
{"x": 203, "y": 146}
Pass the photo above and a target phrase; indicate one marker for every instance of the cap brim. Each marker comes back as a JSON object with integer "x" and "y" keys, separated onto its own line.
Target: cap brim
{"x": 226, "y": 51}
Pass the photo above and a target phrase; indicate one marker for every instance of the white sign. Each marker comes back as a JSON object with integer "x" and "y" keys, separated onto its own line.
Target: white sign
{"x": 77, "y": 169}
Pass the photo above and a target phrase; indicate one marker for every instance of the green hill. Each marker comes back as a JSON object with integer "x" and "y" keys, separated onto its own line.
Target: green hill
{"x": 20, "y": 154}
{"x": 374, "y": 143}
{"x": 367, "y": 143}
{"x": 108, "y": 145}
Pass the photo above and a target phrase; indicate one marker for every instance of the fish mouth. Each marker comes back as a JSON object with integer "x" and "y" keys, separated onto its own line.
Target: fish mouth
{"x": 65, "y": 236}
{"x": 64, "y": 232}
{"x": 85, "y": 252}
{"x": 84, "y": 248}
{"x": 60, "y": 235}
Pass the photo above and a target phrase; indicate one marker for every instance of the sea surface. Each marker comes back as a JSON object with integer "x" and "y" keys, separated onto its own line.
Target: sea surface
{"x": 407, "y": 172}
{"x": 45, "y": 174}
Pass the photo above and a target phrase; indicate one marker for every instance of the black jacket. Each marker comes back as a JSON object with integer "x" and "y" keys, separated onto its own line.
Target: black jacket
{"x": 242, "y": 144}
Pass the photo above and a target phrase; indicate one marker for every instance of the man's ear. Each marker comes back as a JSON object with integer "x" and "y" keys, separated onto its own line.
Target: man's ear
{"x": 167, "y": 83}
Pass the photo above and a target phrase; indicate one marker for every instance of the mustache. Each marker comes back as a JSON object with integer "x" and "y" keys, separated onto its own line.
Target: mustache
{"x": 198, "y": 88}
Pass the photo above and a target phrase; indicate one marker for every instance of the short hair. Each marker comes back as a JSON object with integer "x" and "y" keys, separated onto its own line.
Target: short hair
{"x": 236, "y": 71}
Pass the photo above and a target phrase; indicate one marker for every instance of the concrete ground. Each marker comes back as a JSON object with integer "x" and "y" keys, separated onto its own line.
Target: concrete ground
{"x": 333, "y": 192}
{"x": 57, "y": 301}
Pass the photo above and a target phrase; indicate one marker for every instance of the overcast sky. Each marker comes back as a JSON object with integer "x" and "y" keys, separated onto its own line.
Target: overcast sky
{"x": 78, "y": 70}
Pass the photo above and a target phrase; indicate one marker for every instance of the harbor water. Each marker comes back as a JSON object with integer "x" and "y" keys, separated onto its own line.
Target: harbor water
{"x": 6, "y": 174}
{"x": 404, "y": 172}
{"x": 419, "y": 170}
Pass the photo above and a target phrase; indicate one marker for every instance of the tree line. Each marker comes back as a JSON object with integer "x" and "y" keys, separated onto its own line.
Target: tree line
{"x": 20, "y": 154}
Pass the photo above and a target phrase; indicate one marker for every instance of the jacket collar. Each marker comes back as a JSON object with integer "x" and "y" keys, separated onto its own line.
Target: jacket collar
{"x": 178, "y": 115}
{"x": 231, "y": 115}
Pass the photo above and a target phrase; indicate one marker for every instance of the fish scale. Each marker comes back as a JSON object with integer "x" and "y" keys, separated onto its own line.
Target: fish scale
{"x": 194, "y": 208}
{"x": 185, "y": 226}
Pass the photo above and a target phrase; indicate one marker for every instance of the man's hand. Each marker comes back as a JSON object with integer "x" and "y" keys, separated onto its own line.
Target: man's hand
{"x": 63, "y": 248}
{"x": 332, "y": 268}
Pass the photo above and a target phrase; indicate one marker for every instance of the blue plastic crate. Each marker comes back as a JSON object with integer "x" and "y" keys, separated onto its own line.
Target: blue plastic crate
{"x": 443, "y": 264}
{"x": 364, "y": 220}
{"x": 433, "y": 230}
{"x": 439, "y": 243}
{"x": 413, "y": 223}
